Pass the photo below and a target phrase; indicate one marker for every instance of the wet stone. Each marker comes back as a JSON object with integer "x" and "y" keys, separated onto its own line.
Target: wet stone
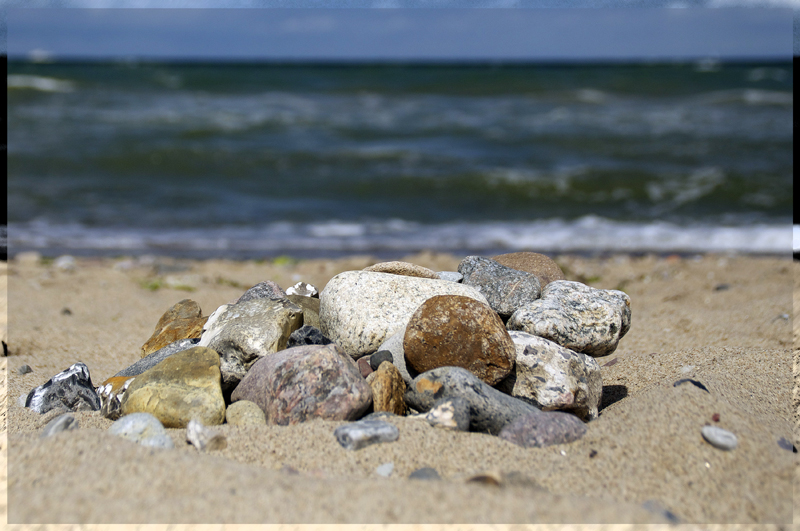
{"x": 505, "y": 288}
{"x": 543, "y": 428}
{"x": 719, "y": 438}
{"x": 64, "y": 422}
{"x": 357, "y": 435}
{"x": 142, "y": 428}
{"x": 71, "y": 389}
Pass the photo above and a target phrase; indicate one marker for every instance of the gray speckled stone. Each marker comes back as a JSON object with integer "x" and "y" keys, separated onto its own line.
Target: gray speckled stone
{"x": 142, "y": 428}
{"x": 506, "y": 289}
{"x": 577, "y": 317}
{"x": 263, "y": 290}
{"x": 359, "y": 310}
{"x": 245, "y": 332}
{"x": 489, "y": 409}
{"x": 553, "y": 377}
{"x": 71, "y": 389}
{"x": 151, "y": 360}
{"x": 357, "y": 435}
{"x": 451, "y": 276}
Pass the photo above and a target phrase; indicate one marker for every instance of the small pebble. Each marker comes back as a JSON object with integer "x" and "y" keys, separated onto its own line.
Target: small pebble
{"x": 786, "y": 444}
{"x": 142, "y": 428}
{"x": 25, "y": 369}
{"x": 64, "y": 422}
{"x": 379, "y": 357}
{"x": 66, "y": 311}
{"x": 65, "y": 263}
{"x": 427, "y": 473}
{"x": 204, "y": 438}
{"x": 357, "y": 435}
{"x": 385, "y": 469}
{"x": 719, "y": 438}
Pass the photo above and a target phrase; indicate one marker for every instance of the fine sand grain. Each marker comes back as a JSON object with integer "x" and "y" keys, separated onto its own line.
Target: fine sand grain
{"x": 724, "y": 321}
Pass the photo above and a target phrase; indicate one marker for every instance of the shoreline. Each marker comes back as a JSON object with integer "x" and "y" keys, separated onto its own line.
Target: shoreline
{"x": 716, "y": 318}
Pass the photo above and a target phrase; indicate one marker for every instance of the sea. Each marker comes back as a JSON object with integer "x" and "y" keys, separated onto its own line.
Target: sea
{"x": 258, "y": 160}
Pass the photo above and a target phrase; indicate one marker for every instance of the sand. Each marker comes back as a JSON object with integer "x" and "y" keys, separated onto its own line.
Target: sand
{"x": 723, "y": 320}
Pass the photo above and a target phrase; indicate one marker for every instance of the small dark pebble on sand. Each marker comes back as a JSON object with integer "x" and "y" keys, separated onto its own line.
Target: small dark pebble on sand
{"x": 693, "y": 382}
{"x": 786, "y": 444}
{"x": 66, "y": 311}
{"x": 715, "y": 417}
{"x": 425, "y": 473}
{"x": 612, "y": 362}
{"x": 722, "y": 287}
{"x": 25, "y": 369}
{"x": 592, "y": 454}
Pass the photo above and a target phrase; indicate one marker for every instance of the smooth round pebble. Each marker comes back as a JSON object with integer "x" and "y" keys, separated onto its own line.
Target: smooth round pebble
{"x": 719, "y": 438}
{"x": 142, "y": 428}
{"x": 245, "y": 413}
{"x": 425, "y": 473}
{"x": 379, "y": 357}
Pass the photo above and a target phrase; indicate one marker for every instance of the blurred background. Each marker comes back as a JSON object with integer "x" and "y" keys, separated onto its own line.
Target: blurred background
{"x": 252, "y": 133}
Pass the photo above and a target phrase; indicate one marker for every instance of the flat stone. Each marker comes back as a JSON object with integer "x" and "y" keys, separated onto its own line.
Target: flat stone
{"x": 310, "y": 307}
{"x": 489, "y": 409}
{"x": 545, "y": 269}
{"x": 303, "y": 383}
{"x": 204, "y": 438}
{"x": 505, "y": 288}
{"x": 307, "y": 335}
{"x": 183, "y": 387}
{"x": 142, "y": 428}
{"x": 379, "y": 357}
{"x": 543, "y": 428}
{"x": 154, "y": 358}
{"x": 552, "y": 377}
{"x": 64, "y": 422}
{"x": 184, "y": 320}
{"x": 357, "y": 435}
{"x": 71, "y": 389}
{"x": 457, "y": 331}
{"x": 388, "y": 389}
{"x": 303, "y": 289}
{"x": 245, "y": 413}
{"x": 263, "y": 290}
{"x": 402, "y": 268}
{"x": 245, "y": 332}
{"x": 719, "y": 438}
{"x": 359, "y": 310}
{"x": 577, "y": 317}
{"x": 425, "y": 473}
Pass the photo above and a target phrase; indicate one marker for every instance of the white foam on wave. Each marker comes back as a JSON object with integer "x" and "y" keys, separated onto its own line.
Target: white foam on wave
{"x": 45, "y": 84}
{"x": 589, "y": 233}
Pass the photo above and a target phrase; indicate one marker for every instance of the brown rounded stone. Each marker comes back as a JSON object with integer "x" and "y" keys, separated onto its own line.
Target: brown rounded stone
{"x": 403, "y": 268}
{"x": 183, "y": 321}
{"x": 456, "y": 331}
{"x": 388, "y": 389}
{"x": 537, "y": 264}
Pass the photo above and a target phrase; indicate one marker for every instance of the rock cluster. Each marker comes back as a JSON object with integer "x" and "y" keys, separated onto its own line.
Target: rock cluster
{"x": 504, "y": 346}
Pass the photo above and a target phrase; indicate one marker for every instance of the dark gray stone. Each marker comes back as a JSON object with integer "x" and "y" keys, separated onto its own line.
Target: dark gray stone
{"x": 544, "y": 428}
{"x": 64, "y": 422}
{"x": 71, "y": 389}
{"x": 307, "y": 335}
{"x": 25, "y": 369}
{"x": 489, "y": 409}
{"x": 506, "y": 289}
{"x": 379, "y": 357}
{"x": 151, "y": 360}
{"x": 263, "y": 290}
{"x": 357, "y": 435}
{"x": 426, "y": 472}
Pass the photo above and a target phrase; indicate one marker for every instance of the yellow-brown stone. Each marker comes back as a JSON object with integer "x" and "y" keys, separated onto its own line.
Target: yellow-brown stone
{"x": 388, "y": 389}
{"x": 183, "y": 321}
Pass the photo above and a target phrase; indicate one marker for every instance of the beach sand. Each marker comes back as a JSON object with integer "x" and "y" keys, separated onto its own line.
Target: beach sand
{"x": 722, "y": 320}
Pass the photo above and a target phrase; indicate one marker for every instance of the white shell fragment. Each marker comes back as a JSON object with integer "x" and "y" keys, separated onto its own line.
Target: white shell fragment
{"x": 303, "y": 289}
{"x": 204, "y": 438}
{"x": 719, "y": 438}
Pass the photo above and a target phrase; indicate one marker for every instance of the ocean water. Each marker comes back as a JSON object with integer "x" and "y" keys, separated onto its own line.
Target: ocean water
{"x": 259, "y": 160}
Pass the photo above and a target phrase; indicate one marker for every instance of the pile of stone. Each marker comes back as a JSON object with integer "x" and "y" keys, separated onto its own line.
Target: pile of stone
{"x": 503, "y": 346}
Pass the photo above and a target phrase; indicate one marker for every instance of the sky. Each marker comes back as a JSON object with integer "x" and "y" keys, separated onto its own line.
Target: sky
{"x": 400, "y": 34}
